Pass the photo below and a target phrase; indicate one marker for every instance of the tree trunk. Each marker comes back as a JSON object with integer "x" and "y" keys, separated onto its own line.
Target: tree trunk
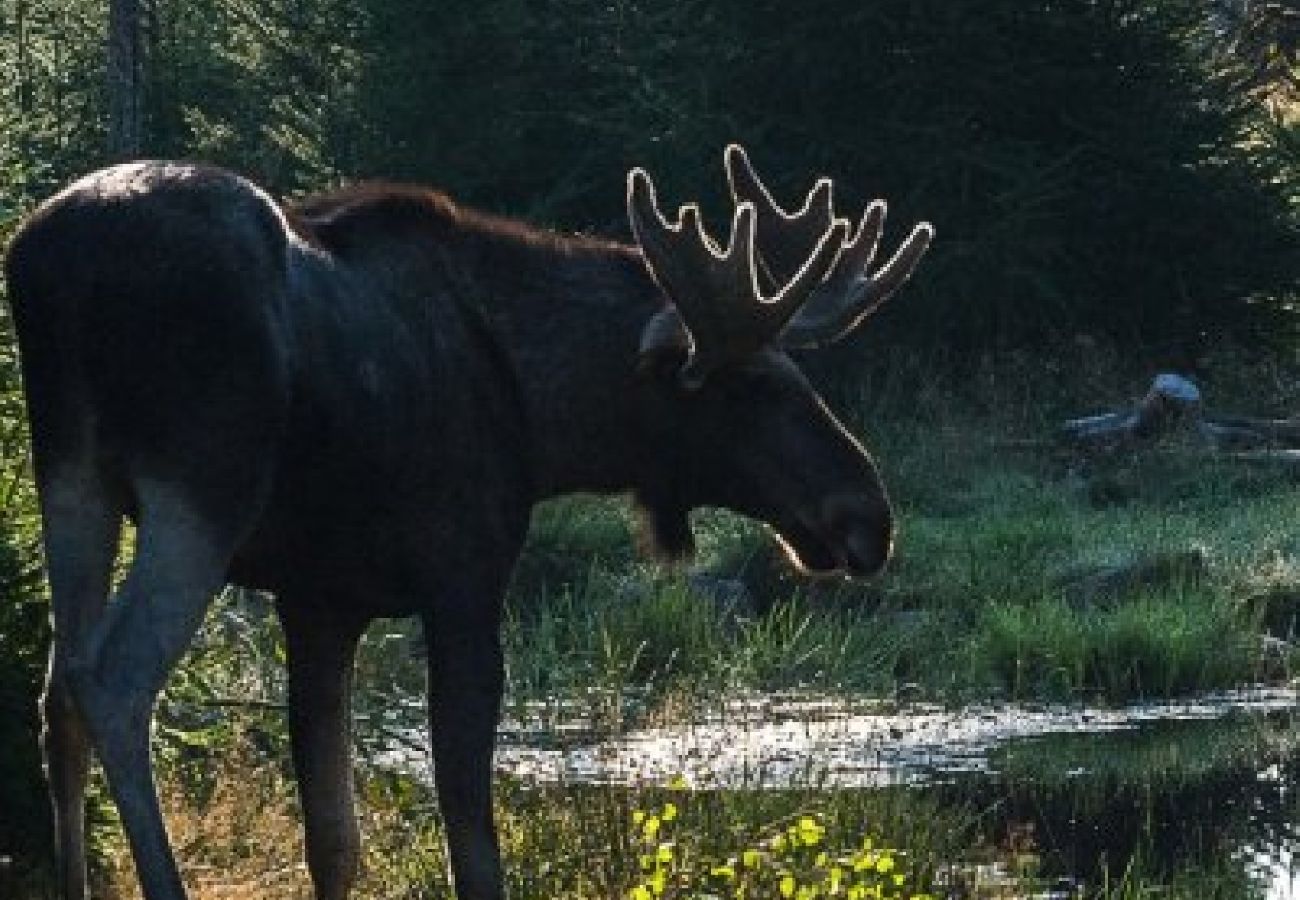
{"x": 125, "y": 80}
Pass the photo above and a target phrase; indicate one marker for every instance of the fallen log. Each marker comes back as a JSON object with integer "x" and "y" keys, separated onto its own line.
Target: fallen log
{"x": 1173, "y": 404}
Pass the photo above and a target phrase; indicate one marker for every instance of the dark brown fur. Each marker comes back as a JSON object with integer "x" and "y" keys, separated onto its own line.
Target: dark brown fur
{"x": 355, "y": 404}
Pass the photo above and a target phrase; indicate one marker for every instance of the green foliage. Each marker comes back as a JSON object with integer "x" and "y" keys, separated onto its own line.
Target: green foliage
{"x": 1156, "y": 646}
{"x": 794, "y": 861}
{"x": 267, "y": 88}
{"x": 52, "y": 115}
{"x": 24, "y": 639}
{"x": 24, "y": 617}
{"x": 571, "y": 536}
{"x": 1087, "y": 165}
{"x": 1082, "y": 166}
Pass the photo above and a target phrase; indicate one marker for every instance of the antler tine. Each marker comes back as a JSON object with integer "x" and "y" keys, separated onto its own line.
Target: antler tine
{"x": 714, "y": 292}
{"x": 852, "y": 291}
{"x": 785, "y": 239}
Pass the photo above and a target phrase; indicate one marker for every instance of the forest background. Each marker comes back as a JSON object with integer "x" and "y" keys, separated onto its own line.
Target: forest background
{"x": 1101, "y": 173}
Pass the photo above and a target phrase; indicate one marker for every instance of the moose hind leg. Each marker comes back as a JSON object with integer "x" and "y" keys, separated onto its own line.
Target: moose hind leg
{"x": 181, "y": 560}
{"x": 80, "y": 531}
{"x": 321, "y": 649}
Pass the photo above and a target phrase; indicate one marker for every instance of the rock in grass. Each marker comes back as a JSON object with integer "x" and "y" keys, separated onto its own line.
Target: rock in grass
{"x": 730, "y": 595}
{"x": 1171, "y": 397}
{"x": 1105, "y": 585}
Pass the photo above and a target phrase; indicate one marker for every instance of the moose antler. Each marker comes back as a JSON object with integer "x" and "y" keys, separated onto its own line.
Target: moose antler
{"x": 851, "y": 291}
{"x": 715, "y": 294}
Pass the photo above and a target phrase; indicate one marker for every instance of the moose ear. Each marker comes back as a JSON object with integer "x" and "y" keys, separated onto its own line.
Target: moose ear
{"x": 665, "y": 343}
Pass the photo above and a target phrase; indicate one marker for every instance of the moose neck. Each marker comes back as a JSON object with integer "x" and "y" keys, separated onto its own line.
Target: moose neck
{"x": 569, "y": 313}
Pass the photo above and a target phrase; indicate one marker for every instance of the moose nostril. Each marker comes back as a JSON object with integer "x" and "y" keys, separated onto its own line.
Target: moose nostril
{"x": 863, "y": 526}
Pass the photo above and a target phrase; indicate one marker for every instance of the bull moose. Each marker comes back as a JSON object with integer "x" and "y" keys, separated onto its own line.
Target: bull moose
{"x": 354, "y": 401}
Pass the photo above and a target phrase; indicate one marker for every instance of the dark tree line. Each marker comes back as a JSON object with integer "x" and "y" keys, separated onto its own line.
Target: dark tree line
{"x": 1122, "y": 168}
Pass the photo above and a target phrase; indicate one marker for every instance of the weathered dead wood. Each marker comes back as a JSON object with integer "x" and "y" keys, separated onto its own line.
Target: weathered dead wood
{"x": 1172, "y": 405}
{"x": 1280, "y": 432}
{"x": 1172, "y": 402}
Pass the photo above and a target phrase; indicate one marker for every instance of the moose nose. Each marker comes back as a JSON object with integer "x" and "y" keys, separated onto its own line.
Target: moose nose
{"x": 865, "y": 553}
{"x": 861, "y": 529}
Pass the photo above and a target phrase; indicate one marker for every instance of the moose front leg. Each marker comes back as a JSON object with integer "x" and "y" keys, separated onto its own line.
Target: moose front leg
{"x": 321, "y": 650}
{"x": 466, "y": 679}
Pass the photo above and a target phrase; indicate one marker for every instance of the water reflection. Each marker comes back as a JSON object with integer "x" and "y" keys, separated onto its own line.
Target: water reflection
{"x": 1165, "y": 798}
{"x": 784, "y": 741}
{"x": 1208, "y": 784}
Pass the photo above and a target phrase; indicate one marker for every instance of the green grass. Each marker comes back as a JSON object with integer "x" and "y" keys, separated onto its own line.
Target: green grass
{"x": 977, "y": 600}
{"x": 993, "y": 516}
{"x": 1160, "y": 645}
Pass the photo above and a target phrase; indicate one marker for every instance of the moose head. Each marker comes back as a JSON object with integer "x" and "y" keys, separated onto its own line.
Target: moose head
{"x": 735, "y": 423}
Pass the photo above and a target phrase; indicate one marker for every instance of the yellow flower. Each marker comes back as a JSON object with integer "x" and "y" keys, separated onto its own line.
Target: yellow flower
{"x": 677, "y": 783}
{"x": 833, "y": 879}
{"x": 724, "y": 872}
{"x": 885, "y": 864}
{"x": 665, "y": 853}
{"x": 751, "y": 859}
{"x": 787, "y": 885}
{"x": 670, "y": 812}
{"x": 810, "y": 831}
{"x": 650, "y": 830}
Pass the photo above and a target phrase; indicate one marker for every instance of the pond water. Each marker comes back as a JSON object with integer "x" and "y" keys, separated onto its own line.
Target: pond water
{"x": 1176, "y": 794}
{"x": 773, "y": 741}
{"x": 1211, "y": 781}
